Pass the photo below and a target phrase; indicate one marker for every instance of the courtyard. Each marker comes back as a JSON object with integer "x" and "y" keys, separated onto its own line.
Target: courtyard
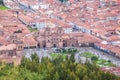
{"x": 104, "y": 58}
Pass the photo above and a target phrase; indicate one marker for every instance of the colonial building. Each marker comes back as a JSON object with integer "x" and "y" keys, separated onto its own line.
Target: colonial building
{"x": 57, "y": 38}
{"x": 54, "y": 37}
{"x": 9, "y": 54}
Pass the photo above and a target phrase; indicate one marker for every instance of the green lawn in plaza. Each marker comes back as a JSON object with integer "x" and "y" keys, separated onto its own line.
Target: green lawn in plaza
{"x": 55, "y": 55}
{"x": 3, "y": 7}
{"x": 68, "y": 51}
{"x": 103, "y": 62}
{"x": 87, "y": 55}
{"x": 100, "y": 62}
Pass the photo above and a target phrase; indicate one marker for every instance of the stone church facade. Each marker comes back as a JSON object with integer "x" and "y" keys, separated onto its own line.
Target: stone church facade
{"x": 54, "y": 38}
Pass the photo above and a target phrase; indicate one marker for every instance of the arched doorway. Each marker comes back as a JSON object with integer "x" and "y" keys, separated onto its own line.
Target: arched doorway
{"x": 54, "y": 45}
{"x": 38, "y": 45}
{"x": 73, "y": 45}
{"x": 64, "y": 45}
{"x": 44, "y": 46}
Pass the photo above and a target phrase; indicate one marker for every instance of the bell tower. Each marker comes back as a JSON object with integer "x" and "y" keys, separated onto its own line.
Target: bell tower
{"x": 47, "y": 31}
{"x": 60, "y": 33}
{"x": 48, "y": 37}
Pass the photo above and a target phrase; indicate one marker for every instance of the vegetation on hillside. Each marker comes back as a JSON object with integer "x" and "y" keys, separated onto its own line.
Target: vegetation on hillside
{"x": 56, "y": 69}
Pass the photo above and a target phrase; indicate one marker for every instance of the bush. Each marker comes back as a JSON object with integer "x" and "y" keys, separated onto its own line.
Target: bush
{"x": 94, "y": 58}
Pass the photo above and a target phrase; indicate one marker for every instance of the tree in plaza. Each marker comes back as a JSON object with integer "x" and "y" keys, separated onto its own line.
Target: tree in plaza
{"x": 75, "y": 50}
{"x": 64, "y": 50}
{"x": 94, "y": 58}
{"x": 70, "y": 50}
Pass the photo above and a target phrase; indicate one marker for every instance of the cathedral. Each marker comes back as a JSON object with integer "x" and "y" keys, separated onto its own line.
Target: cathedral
{"x": 54, "y": 37}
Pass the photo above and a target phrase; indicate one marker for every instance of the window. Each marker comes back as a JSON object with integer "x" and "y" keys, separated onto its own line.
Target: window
{"x": 60, "y": 40}
{"x": 21, "y": 47}
{"x": 72, "y": 45}
{"x": 13, "y": 41}
{"x": 48, "y": 41}
{"x": 47, "y": 32}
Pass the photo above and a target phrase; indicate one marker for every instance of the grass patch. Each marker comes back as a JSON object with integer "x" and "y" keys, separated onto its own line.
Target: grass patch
{"x": 55, "y": 55}
{"x": 68, "y": 51}
{"x": 87, "y": 55}
{"x": 3, "y": 7}
{"x": 99, "y": 62}
{"x": 103, "y": 62}
{"x": 32, "y": 29}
